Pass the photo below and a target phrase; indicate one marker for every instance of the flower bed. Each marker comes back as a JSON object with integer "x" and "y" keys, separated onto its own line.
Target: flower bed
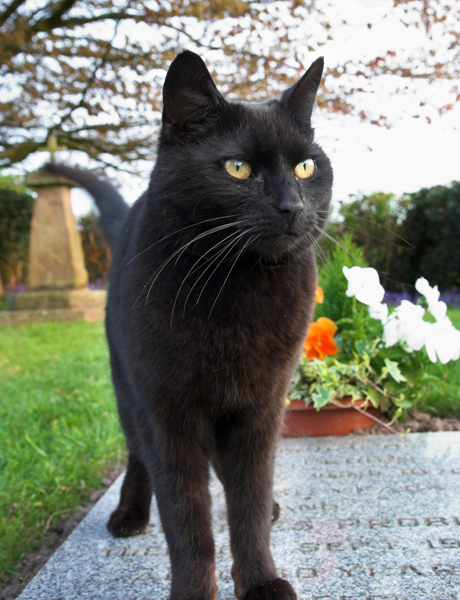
{"x": 377, "y": 355}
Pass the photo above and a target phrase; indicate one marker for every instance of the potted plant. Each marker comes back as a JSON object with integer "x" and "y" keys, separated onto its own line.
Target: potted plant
{"x": 373, "y": 359}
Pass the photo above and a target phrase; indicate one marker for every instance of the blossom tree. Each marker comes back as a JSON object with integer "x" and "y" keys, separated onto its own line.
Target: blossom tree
{"x": 88, "y": 73}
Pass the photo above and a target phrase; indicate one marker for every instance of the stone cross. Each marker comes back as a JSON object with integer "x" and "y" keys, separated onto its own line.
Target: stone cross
{"x": 52, "y": 147}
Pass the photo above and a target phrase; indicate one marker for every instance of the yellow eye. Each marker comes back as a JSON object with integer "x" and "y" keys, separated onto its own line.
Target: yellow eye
{"x": 238, "y": 168}
{"x": 305, "y": 169}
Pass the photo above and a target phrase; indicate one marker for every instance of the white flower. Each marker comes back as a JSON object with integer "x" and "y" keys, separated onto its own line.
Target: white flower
{"x": 364, "y": 284}
{"x": 437, "y": 308}
{"x": 406, "y": 324}
{"x": 379, "y": 311}
{"x": 415, "y": 334}
{"x": 431, "y": 293}
{"x": 392, "y": 331}
{"x": 407, "y": 311}
{"x": 442, "y": 341}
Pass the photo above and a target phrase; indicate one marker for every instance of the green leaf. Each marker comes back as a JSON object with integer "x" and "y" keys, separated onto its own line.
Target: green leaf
{"x": 393, "y": 370}
{"x": 322, "y": 397}
{"x": 375, "y": 396}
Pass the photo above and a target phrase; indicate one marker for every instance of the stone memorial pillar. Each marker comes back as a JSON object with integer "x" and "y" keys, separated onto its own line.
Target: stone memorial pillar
{"x": 57, "y": 275}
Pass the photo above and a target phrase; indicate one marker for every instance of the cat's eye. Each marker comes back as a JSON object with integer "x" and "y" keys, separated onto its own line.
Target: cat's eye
{"x": 305, "y": 169}
{"x": 238, "y": 168}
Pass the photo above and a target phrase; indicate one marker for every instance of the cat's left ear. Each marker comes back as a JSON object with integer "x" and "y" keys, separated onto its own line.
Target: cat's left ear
{"x": 299, "y": 99}
{"x": 189, "y": 94}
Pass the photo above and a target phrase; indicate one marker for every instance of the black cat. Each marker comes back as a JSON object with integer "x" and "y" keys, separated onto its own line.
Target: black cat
{"x": 211, "y": 291}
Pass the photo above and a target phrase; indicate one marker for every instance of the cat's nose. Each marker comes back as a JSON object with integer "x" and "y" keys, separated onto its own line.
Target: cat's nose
{"x": 290, "y": 205}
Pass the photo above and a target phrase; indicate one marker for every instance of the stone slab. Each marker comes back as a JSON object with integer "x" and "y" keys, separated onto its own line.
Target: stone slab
{"x": 57, "y": 299}
{"x": 362, "y": 518}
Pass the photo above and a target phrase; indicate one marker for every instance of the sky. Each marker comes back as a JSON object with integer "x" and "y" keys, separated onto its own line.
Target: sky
{"x": 412, "y": 153}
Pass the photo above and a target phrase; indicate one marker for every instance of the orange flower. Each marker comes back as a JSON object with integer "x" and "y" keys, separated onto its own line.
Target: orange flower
{"x": 320, "y": 339}
{"x": 319, "y": 295}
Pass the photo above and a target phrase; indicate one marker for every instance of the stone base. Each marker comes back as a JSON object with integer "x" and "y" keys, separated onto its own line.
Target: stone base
{"x": 57, "y": 299}
{"x": 19, "y": 317}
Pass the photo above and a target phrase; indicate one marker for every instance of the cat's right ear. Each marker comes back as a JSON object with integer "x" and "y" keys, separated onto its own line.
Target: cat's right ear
{"x": 189, "y": 94}
{"x": 299, "y": 99}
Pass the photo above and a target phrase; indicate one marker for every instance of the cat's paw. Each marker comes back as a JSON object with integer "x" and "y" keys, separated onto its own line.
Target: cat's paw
{"x": 126, "y": 522}
{"x": 278, "y": 589}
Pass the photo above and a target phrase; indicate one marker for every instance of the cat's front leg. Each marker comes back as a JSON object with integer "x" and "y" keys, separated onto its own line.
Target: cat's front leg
{"x": 246, "y": 455}
{"x": 180, "y": 473}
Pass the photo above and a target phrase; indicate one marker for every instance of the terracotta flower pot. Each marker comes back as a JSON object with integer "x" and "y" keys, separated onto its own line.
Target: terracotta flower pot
{"x": 301, "y": 420}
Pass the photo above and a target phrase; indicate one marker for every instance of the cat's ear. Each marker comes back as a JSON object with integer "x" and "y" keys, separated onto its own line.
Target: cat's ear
{"x": 189, "y": 93}
{"x": 299, "y": 99}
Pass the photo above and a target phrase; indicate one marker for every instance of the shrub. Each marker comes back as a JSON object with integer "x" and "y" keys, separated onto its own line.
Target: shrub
{"x": 432, "y": 225}
{"x": 333, "y": 282}
{"x": 16, "y": 205}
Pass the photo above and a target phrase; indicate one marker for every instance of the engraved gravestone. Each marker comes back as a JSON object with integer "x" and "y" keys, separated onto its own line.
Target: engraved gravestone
{"x": 362, "y": 518}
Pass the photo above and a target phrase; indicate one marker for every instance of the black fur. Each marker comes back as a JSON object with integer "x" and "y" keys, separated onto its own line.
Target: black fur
{"x": 211, "y": 291}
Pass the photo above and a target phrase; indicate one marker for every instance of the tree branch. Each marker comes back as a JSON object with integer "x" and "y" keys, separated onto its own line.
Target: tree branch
{"x": 12, "y": 8}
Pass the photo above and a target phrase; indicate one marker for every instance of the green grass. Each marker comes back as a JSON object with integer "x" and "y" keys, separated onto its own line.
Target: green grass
{"x": 58, "y": 428}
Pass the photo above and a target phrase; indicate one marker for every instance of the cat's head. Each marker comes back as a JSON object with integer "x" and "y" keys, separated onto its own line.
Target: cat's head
{"x": 255, "y": 164}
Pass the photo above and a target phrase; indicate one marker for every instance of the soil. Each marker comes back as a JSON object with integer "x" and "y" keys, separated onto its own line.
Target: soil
{"x": 33, "y": 562}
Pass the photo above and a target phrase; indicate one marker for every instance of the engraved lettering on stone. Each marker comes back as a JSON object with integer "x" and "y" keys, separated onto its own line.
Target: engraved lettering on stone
{"x": 372, "y": 523}
{"x": 348, "y": 572}
{"x": 122, "y": 552}
{"x": 301, "y": 525}
{"x": 145, "y": 550}
{"x": 334, "y": 546}
{"x": 435, "y": 521}
{"x": 429, "y": 544}
{"x": 133, "y": 552}
{"x": 443, "y": 569}
{"x": 309, "y": 547}
{"x": 405, "y": 568}
{"x": 167, "y": 575}
{"x": 449, "y": 543}
{"x": 106, "y": 552}
{"x": 343, "y": 523}
{"x": 413, "y": 472}
{"x": 308, "y": 573}
{"x": 139, "y": 575}
{"x": 407, "y": 522}
{"x": 358, "y": 544}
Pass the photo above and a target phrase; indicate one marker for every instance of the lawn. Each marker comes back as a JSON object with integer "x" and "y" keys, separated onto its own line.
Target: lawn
{"x": 58, "y": 426}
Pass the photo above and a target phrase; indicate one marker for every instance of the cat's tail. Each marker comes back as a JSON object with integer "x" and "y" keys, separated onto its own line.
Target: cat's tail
{"x": 111, "y": 205}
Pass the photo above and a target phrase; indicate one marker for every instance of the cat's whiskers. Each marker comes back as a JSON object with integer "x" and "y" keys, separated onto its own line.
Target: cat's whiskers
{"x": 227, "y": 251}
{"x": 230, "y": 270}
{"x": 178, "y": 231}
{"x": 378, "y": 225}
{"x": 196, "y": 268}
{"x": 337, "y": 243}
{"x": 176, "y": 252}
